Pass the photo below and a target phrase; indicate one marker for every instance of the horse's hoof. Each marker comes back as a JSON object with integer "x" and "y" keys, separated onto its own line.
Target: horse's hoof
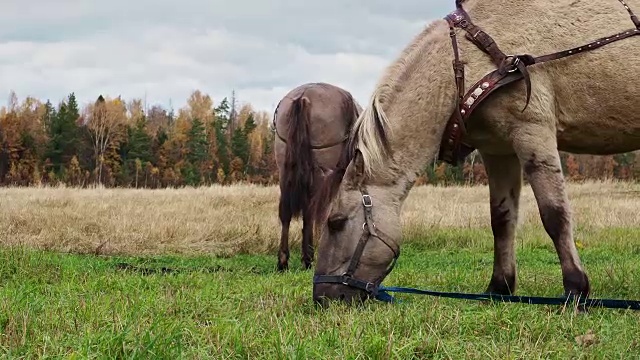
{"x": 283, "y": 267}
{"x": 582, "y": 310}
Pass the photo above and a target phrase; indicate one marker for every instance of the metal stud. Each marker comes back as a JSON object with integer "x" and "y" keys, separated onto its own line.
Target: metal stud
{"x": 477, "y": 92}
{"x": 470, "y": 101}
{"x": 463, "y": 111}
{"x": 485, "y": 85}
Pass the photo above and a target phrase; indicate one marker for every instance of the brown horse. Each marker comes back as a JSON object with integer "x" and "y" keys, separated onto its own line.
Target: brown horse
{"x": 583, "y": 100}
{"x": 312, "y": 124}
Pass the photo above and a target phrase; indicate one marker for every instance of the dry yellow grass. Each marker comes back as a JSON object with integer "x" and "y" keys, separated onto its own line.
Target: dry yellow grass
{"x": 227, "y": 220}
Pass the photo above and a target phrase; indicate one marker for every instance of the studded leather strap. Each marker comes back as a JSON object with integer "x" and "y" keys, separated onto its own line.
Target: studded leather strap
{"x": 509, "y": 69}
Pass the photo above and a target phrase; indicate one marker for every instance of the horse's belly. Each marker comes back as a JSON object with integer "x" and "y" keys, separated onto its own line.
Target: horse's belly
{"x": 597, "y": 98}
{"x": 601, "y": 136}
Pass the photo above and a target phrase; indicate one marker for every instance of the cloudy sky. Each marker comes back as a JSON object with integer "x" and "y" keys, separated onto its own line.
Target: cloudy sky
{"x": 168, "y": 48}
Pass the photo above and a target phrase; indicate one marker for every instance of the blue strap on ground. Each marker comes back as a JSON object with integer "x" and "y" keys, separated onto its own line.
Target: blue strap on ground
{"x": 383, "y": 295}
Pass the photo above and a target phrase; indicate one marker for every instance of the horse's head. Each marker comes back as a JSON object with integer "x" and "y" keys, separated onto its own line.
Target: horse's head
{"x": 359, "y": 238}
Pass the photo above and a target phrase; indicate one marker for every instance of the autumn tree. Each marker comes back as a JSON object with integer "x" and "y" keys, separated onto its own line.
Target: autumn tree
{"x": 102, "y": 120}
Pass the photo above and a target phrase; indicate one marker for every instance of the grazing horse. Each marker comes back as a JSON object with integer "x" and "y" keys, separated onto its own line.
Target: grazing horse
{"x": 583, "y": 99}
{"x": 312, "y": 124}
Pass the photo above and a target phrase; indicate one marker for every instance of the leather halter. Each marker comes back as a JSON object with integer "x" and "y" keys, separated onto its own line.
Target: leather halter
{"x": 368, "y": 230}
{"x": 510, "y": 68}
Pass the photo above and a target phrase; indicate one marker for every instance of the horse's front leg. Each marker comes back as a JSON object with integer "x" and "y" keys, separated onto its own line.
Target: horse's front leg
{"x": 537, "y": 149}
{"x": 505, "y": 182}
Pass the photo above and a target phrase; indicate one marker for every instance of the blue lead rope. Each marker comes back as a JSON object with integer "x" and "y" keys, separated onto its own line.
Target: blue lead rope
{"x": 383, "y": 295}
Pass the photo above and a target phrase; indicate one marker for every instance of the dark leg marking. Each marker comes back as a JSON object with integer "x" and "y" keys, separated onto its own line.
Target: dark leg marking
{"x": 499, "y": 219}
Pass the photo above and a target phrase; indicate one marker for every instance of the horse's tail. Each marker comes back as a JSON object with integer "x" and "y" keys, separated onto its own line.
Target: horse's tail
{"x": 299, "y": 159}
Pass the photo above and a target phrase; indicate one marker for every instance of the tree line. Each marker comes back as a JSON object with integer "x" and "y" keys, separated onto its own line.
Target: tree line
{"x": 118, "y": 143}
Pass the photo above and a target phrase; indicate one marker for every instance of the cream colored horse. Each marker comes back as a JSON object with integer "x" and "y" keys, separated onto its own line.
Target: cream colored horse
{"x": 587, "y": 103}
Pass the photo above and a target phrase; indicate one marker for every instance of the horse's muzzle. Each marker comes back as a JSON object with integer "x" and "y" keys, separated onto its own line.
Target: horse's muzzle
{"x": 323, "y": 293}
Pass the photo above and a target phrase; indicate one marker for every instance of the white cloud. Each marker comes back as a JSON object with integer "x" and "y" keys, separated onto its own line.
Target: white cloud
{"x": 166, "y": 49}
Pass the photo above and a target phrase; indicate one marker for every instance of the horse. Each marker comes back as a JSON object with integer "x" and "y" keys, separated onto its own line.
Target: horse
{"x": 312, "y": 123}
{"x": 583, "y": 99}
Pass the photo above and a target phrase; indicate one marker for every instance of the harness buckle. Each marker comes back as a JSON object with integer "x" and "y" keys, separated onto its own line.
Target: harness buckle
{"x": 366, "y": 201}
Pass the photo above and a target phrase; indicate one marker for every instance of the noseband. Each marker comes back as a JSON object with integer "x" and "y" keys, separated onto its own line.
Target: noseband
{"x": 368, "y": 230}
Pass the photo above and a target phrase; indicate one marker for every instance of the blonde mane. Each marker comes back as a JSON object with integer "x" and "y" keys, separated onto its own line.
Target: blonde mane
{"x": 372, "y": 130}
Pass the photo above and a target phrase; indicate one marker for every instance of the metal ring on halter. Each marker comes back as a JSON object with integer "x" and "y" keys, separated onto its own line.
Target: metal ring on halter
{"x": 345, "y": 282}
{"x": 365, "y": 224}
{"x": 369, "y": 287}
{"x": 514, "y": 66}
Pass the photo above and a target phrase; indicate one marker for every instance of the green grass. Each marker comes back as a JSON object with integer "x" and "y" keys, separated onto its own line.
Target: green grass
{"x": 71, "y": 306}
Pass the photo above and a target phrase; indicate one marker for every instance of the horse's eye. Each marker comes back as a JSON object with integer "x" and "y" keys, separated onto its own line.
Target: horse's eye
{"x": 336, "y": 223}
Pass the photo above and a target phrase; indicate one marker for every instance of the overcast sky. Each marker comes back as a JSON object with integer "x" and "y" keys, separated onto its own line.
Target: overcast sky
{"x": 168, "y": 48}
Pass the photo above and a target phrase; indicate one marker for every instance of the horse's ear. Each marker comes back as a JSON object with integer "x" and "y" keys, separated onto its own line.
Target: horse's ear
{"x": 355, "y": 171}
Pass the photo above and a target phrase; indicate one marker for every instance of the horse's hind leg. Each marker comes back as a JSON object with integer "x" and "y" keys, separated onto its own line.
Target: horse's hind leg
{"x": 307, "y": 239}
{"x": 285, "y": 221}
{"x": 537, "y": 149}
{"x": 505, "y": 182}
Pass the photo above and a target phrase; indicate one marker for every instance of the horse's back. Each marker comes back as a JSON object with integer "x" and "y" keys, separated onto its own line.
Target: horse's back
{"x": 330, "y": 119}
{"x": 591, "y": 96}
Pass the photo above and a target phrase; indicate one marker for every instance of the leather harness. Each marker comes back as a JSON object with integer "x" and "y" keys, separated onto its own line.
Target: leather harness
{"x": 452, "y": 149}
{"x": 510, "y": 68}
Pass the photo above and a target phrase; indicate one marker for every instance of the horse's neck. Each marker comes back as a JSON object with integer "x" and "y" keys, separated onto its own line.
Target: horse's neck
{"x": 420, "y": 110}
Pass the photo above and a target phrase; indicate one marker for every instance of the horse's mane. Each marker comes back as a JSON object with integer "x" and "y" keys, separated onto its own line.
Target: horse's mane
{"x": 372, "y": 131}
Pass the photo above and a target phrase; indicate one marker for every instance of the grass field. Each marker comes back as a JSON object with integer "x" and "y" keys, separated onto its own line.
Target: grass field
{"x": 190, "y": 273}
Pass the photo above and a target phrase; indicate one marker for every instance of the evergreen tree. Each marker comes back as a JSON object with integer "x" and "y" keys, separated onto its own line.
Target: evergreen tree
{"x": 240, "y": 142}
{"x": 63, "y": 135}
{"x": 197, "y": 143}
{"x": 197, "y": 146}
{"x": 249, "y": 125}
{"x": 240, "y": 145}
{"x": 139, "y": 143}
{"x": 221, "y": 123}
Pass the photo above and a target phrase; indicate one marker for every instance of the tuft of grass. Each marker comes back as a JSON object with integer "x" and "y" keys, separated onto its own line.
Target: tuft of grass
{"x": 171, "y": 274}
